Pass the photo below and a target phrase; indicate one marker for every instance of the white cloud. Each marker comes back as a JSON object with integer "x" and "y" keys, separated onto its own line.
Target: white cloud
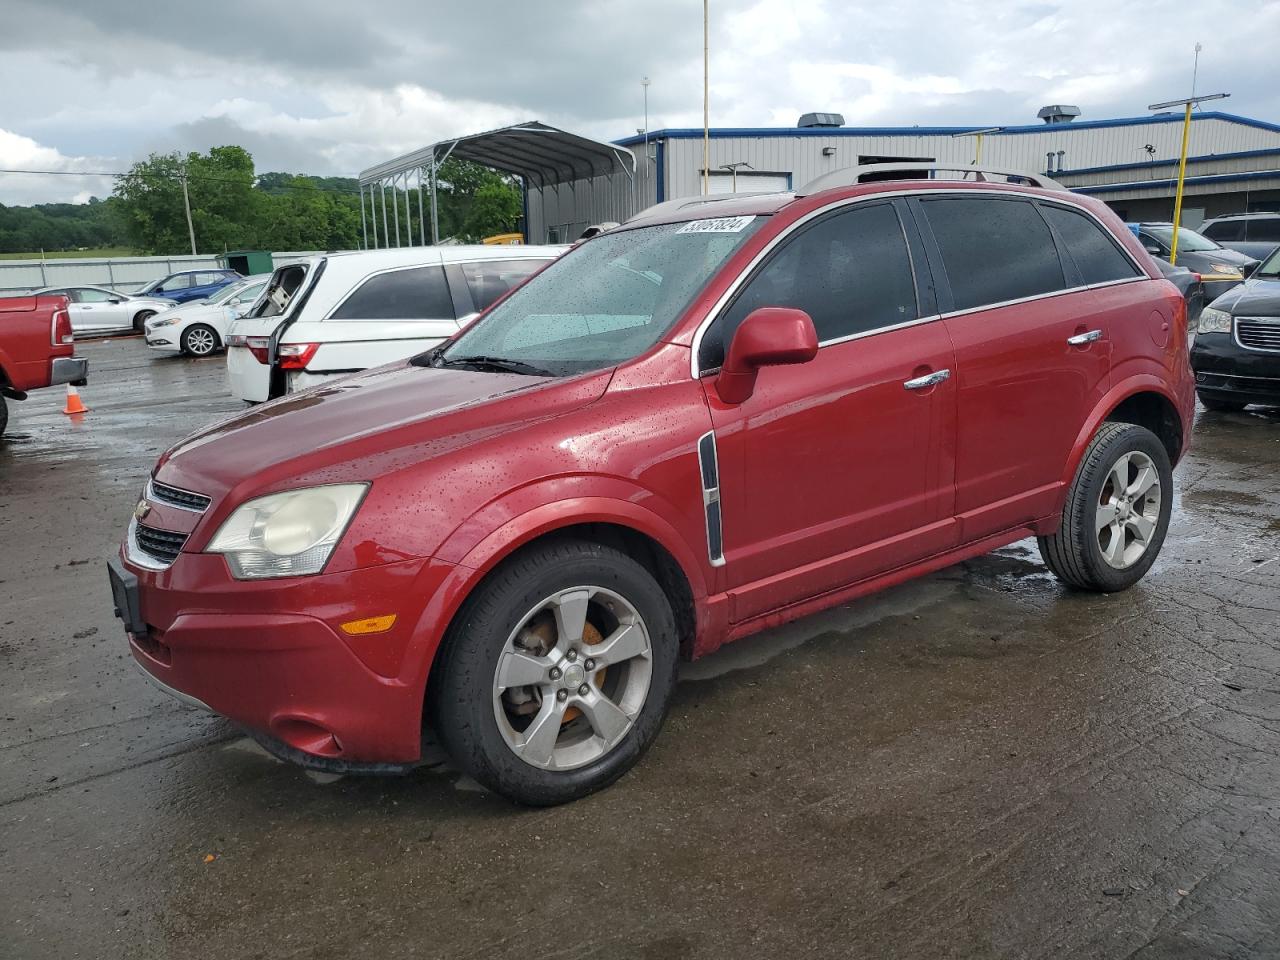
{"x": 22, "y": 153}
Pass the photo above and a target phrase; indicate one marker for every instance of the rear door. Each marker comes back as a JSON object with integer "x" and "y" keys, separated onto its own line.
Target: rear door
{"x": 1032, "y": 343}
{"x": 837, "y": 469}
{"x": 387, "y": 316}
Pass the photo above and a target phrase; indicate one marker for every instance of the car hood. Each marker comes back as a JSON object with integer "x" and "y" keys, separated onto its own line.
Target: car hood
{"x": 360, "y": 427}
{"x": 1256, "y": 297}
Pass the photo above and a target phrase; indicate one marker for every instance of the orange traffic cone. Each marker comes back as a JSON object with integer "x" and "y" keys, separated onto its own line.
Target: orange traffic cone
{"x": 74, "y": 403}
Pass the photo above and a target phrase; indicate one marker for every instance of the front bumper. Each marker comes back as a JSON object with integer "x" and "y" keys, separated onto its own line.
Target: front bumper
{"x": 158, "y": 341}
{"x": 72, "y": 370}
{"x": 271, "y": 655}
{"x": 1226, "y": 370}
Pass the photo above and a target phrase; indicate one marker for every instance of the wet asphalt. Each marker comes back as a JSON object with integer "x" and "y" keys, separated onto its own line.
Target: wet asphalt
{"x": 976, "y": 764}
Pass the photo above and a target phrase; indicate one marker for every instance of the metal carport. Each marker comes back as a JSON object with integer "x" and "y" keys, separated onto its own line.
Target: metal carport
{"x": 541, "y": 155}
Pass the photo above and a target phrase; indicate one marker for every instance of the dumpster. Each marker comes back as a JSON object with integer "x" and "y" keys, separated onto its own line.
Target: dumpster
{"x": 248, "y": 262}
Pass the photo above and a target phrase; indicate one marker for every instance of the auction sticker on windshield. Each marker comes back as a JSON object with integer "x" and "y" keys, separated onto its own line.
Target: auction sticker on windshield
{"x": 717, "y": 225}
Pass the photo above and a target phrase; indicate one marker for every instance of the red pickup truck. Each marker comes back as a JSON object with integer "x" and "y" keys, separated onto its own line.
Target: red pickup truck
{"x": 37, "y": 348}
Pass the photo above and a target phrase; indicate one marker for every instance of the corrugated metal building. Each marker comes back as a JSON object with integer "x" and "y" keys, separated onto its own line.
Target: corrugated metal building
{"x": 1233, "y": 165}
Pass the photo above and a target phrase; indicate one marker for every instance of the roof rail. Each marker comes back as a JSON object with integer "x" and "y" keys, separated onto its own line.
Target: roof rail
{"x": 849, "y": 176}
{"x": 670, "y": 206}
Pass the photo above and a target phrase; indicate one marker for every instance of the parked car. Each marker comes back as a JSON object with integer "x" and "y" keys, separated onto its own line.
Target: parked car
{"x": 1220, "y": 269}
{"x": 190, "y": 284}
{"x": 199, "y": 328}
{"x": 1255, "y": 235}
{"x": 1189, "y": 285}
{"x": 101, "y": 309}
{"x": 1236, "y": 354}
{"x": 699, "y": 424}
{"x": 360, "y": 310}
{"x": 37, "y": 348}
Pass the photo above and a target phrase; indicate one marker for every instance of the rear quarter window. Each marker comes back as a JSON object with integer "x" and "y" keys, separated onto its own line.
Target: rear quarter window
{"x": 994, "y": 249}
{"x": 418, "y": 293}
{"x": 1096, "y": 256}
{"x": 1266, "y": 229}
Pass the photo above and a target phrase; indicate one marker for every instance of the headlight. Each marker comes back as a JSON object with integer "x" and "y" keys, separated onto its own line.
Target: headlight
{"x": 169, "y": 322}
{"x": 1214, "y": 321}
{"x": 287, "y": 534}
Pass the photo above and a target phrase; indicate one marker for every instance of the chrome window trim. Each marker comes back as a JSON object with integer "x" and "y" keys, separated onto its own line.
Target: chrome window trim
{"x": 719, "y": 306}
{"x": 150, "y": 494}
{"x": 135, "y": 555}
{"x": 1265, "y": 321}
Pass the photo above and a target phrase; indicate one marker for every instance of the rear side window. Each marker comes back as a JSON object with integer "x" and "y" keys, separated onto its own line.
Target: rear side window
{"x": 994, "y": 250}
{"x": 420, "y": 293}
{"x": 1094, "y": 252}
{"x": 850, "y": 271}
{"x": 489, "y": 281}
{"x": 1263, "y": 228}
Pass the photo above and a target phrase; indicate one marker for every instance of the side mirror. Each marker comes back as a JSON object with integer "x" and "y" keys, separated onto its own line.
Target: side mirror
{"x": 1152, "y": 248}
{"x": 233, "y": 302}
{"x": 768, "y": 337}
{"x": 114, "y": 300}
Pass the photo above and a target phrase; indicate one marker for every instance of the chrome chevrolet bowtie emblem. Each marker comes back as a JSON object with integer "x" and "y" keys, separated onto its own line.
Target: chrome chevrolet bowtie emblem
{"x": 141, "y": 510}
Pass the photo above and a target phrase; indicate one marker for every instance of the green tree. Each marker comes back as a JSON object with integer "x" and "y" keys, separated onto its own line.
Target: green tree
{"x": 495, "y": 208}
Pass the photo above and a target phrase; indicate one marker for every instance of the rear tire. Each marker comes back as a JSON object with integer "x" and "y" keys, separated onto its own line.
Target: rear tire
{"x": 1116, "y": 513}
{"x": 140, "y": 319}
{"x": 1218, "y": 405}
{"x": 200, "y": 340}
{"x": 4, "y": 414}
{"x": 511, "y": 667}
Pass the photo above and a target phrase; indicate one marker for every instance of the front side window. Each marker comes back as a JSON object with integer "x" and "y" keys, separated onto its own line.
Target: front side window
{"x": 849, "y": 271}
{"x": 1096, "y": 255}
{"x": 606, "y": 301}
{"x": 490, "y": 280}
{"x": 419, "y": 293}
{"x": 180, "y": 282}
{"x": 994, "y": 249}
{"x": 1225, "y": 230}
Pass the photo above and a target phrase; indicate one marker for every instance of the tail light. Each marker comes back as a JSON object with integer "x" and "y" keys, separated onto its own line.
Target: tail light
{"x": 296, "y": 356}
{"x": 257, "y": 346}
{"x": 61, "y": 333}
{"x": 1197, "y": 278}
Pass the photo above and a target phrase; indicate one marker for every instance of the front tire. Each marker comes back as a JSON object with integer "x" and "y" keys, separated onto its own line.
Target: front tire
{"x": 200, "y": 340}
{"x": 1116, "y": 513}
{"x": 4, "y": 414}
{"x": 140, "y": 320}
{"x": 557, "y": 673}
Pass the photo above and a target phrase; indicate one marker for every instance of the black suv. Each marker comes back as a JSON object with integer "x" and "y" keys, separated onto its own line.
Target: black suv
{"x": 1236, "y": 354}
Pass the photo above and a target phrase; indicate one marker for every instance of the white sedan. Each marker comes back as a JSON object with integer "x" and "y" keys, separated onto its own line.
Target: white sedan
{"x": 199, "y": 328}
{"x": 100, "y": 309}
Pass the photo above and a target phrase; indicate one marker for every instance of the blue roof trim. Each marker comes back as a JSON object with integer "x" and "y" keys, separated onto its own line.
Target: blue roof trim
{"x": 1172, "y": 183}
{"x": 695, "y": 133}
{"x": 1147, "y": 164}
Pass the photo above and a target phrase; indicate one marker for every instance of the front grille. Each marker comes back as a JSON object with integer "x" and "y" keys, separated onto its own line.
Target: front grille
{"x": 179, "y": 498}
{"x": 162, "y": 545}
{"x": 1257, "y": 333}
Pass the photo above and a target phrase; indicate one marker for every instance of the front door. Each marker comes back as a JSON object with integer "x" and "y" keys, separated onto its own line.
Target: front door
{"x": 840, "y": 468}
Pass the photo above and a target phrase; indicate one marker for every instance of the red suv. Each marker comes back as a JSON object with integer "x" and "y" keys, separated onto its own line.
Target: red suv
{"x": 711, "y": 420}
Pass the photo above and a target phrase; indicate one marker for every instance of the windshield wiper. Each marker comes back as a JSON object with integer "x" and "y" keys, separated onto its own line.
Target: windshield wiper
{"x": 503, "y": 364}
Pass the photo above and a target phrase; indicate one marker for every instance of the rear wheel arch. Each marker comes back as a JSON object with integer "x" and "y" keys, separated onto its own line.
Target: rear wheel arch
{"x": 1156, "y": 412}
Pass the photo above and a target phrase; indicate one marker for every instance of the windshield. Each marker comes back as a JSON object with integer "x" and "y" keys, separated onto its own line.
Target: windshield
{"x": 1270, "y": 266}
{"x": 605, "y": 302}
{"x": 1188, "y": 240}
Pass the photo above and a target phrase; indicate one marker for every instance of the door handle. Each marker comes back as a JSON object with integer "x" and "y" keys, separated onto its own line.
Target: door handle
{"x": 928, "y": 380}
{"x": 1080, "y": 339}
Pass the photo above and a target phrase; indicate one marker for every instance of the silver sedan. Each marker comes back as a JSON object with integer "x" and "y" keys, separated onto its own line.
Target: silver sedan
{"x": 99, "y": 309}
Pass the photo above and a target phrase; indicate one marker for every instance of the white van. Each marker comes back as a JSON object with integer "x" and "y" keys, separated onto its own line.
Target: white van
{"x": 342, "y": 312}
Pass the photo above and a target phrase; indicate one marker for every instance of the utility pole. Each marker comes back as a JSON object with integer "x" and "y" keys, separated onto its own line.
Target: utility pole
{"x": 644, "y": 82}
{"x": 733, "y": 170}
{"x": 706, "y": 98}
{"x": 1189, "y": 102}
{"x": 186, "y": 205}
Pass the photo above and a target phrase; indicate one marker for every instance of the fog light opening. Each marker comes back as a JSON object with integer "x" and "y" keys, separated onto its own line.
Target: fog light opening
{"x": 307, "y": 736}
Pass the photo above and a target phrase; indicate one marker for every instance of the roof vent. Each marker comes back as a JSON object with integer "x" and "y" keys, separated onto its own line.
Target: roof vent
{"x": 824, "y": 120}
{"x": 1058, "y": 113}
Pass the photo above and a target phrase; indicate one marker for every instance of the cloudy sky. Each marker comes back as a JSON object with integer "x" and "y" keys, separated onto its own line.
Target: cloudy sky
{"x": 331, "y": 87}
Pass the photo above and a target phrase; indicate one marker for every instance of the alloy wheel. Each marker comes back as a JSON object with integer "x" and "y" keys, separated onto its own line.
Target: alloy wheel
{"x": 1128, "y": 513}
{"x": 572, "y": 678}
{"x": 200, "y": 343}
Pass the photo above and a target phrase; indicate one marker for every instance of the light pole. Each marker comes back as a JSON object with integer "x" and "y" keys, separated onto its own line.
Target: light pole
{"x": 706, "y": 99}
{"x": 1189, "y": 102}
{"x": 733, "y": 169}
{"x": 644, "y": 83}
{"x": 977, "y": 156}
